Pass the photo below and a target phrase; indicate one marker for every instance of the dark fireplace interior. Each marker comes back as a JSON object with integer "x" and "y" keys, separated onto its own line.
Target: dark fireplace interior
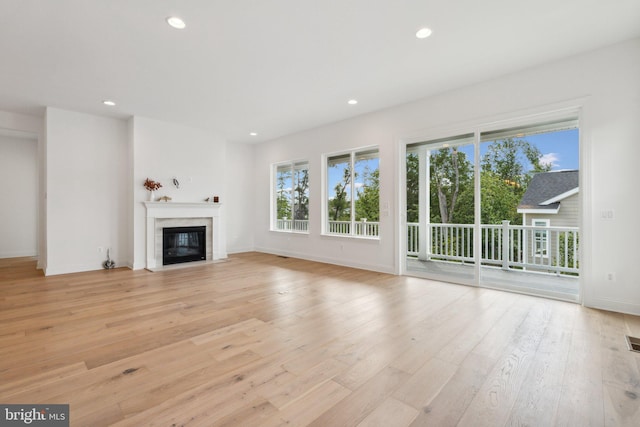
{"x": 183, "y": 244}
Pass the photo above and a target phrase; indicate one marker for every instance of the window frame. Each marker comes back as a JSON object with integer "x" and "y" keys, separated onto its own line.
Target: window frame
{"x": 302, "y": 227}
{"x": 541, "y": 237}
{"x": 368, "y": 230}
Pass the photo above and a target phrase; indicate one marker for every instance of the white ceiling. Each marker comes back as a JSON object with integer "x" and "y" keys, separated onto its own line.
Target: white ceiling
{"x": 279, "y": 66}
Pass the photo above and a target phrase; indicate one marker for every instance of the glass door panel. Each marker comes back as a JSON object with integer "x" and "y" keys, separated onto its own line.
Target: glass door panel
{"x": 530, "y": 209}
{"x": 440, "y": 188}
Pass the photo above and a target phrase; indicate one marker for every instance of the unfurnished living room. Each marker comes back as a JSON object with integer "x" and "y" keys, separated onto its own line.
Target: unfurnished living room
{"x": 329, "y": 213}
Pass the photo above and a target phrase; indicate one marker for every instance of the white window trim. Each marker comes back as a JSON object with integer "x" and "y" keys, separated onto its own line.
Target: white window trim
{"x": 325, "y": 193}
{"x": 274, "y": 203}
{"x": 539, "y": 211}
{"x": 535, "y": 222}
{"x": 561, "y": 196}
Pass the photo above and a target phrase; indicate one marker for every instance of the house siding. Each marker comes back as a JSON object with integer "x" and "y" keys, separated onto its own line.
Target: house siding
{"x": 568, "y": 216}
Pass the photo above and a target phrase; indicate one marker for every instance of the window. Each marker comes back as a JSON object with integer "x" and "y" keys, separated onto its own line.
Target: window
{"x": 541, "y": 237}
{"x": 291, "y": 194}
{"x": 352, "y": 202}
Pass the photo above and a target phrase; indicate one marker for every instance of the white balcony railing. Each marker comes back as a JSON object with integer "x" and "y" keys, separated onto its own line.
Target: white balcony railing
{"x": 293, "y": 225}
{"x": 360, "y": 228}
{"x": 545, "y": 249}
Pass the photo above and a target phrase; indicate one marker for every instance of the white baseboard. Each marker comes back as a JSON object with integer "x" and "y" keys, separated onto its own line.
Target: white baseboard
{"x": 328, "y": 260}
{"x": 77, "y": 268}
{"x": 613, "y": 305}
{"x": 240, "y": 250}
{"x": 137, "y": 266}
{"x": 18, "y": 254}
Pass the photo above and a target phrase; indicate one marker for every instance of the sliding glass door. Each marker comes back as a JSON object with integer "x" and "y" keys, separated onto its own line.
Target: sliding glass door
{"x": 530, "y": 208}
{"x": 440, "y": 208}
{"x": 497, "y": 208}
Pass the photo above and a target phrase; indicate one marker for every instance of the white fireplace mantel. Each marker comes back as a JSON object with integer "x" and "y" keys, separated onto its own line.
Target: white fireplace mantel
{"x": 179, "y": 210}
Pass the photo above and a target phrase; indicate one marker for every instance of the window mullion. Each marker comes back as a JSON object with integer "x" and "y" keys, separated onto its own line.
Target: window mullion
{"x": 353, "y": 186}
{"x": 292, "y": 198}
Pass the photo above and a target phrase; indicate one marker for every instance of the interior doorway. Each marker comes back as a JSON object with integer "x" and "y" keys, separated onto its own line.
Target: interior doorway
{"x": 19, "y": 192}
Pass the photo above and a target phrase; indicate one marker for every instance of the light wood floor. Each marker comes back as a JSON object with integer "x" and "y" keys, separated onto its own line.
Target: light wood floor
{"x": 262, "y": 340}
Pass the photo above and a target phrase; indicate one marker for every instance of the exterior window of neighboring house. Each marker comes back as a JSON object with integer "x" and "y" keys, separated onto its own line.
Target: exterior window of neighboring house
{"x": 352, "y": 205}
{"x": 541, "y": 237}
{"x": 291, "y": 197}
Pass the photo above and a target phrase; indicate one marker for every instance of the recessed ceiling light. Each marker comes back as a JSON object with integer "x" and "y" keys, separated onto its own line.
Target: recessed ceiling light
{"x": 253, "y": 134}
{"x": 352, "y": 102}
{"x": 176, "y": 22}
{"x": 109, "y": 103}
{"x": 423, "y": 33}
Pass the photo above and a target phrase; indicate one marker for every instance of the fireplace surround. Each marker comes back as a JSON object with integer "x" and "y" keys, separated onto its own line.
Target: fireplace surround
{"x": 160, "y": 215}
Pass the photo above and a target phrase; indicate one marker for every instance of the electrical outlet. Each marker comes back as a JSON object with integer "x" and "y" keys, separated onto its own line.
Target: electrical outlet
{"x": 611, "y": 277}
{"x": 608, "y": 214}
{"x": 100, "y": 249}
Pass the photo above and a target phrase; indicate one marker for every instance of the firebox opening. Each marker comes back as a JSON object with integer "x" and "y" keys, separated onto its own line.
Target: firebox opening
{"x": 183, "y": 244}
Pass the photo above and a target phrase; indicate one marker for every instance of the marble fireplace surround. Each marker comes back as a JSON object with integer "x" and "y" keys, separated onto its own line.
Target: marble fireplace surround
{"x": 177, "y": 214}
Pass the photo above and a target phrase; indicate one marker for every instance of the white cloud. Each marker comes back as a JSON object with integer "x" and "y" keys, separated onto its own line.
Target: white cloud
{"x": 550, "y": 159}
{"x": 358, "y": 185}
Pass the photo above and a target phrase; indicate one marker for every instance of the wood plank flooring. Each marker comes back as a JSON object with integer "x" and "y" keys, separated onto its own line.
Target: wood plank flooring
{"x": 262, "y": 340}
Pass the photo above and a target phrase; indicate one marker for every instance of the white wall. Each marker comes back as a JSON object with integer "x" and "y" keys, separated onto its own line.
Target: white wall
{"x": 86, "y": 191}
{"x": 19, "y": 195}
{"x": 239, "y": 198}
{"x": 311, "y": 145}
{"x": 162, "y": 151}
{"x": 604, "y": 82}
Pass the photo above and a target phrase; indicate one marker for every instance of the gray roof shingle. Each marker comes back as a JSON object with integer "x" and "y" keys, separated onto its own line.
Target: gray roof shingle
{"x": 547, "y": 185}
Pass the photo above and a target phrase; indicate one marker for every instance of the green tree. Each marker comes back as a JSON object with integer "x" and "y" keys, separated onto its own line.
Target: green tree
{"x": 514, "y": 161}
{"x": 301, "y": 194}
{"x": 507, "y": 168}
{"x": 340, "y": 206}
{"x": 283, "y": 201}
{"x": 451, "y": 187}
{"x": 413, "y": 188}
{"x": 451, "y": 175}
{"x": 499, "y": 201}
{"x": 368, "y": 197}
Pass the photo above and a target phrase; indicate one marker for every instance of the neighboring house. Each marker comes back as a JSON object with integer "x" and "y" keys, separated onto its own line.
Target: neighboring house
{"x": 551, "y": 200}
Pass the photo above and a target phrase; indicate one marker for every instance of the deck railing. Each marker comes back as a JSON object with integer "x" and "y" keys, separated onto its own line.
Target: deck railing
{"x": 293, "y": 224}
{"x": 544, "y": 249}
{"x": 360, "y": 228}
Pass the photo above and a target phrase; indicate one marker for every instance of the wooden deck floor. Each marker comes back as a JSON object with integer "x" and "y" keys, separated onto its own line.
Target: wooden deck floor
{"x": 262, "y": 340}
{"x": 561, "y": 287}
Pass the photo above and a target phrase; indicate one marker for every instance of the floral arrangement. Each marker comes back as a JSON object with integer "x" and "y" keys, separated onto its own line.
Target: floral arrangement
{"x": 151, "y": 185}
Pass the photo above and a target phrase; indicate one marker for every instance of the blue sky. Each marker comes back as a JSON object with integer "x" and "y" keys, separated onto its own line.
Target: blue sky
{"x": 561, "y": 148}
{"x": 336, "y": 175}
{"x": 558, "y": 148}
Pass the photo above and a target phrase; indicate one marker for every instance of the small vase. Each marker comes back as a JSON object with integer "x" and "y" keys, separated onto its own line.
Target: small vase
{"x": 152, "y": 196}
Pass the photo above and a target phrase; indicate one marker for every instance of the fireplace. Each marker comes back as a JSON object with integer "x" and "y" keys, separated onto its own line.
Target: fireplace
{"x": 162, "y": 215}
{"x": 183, "y": 244}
